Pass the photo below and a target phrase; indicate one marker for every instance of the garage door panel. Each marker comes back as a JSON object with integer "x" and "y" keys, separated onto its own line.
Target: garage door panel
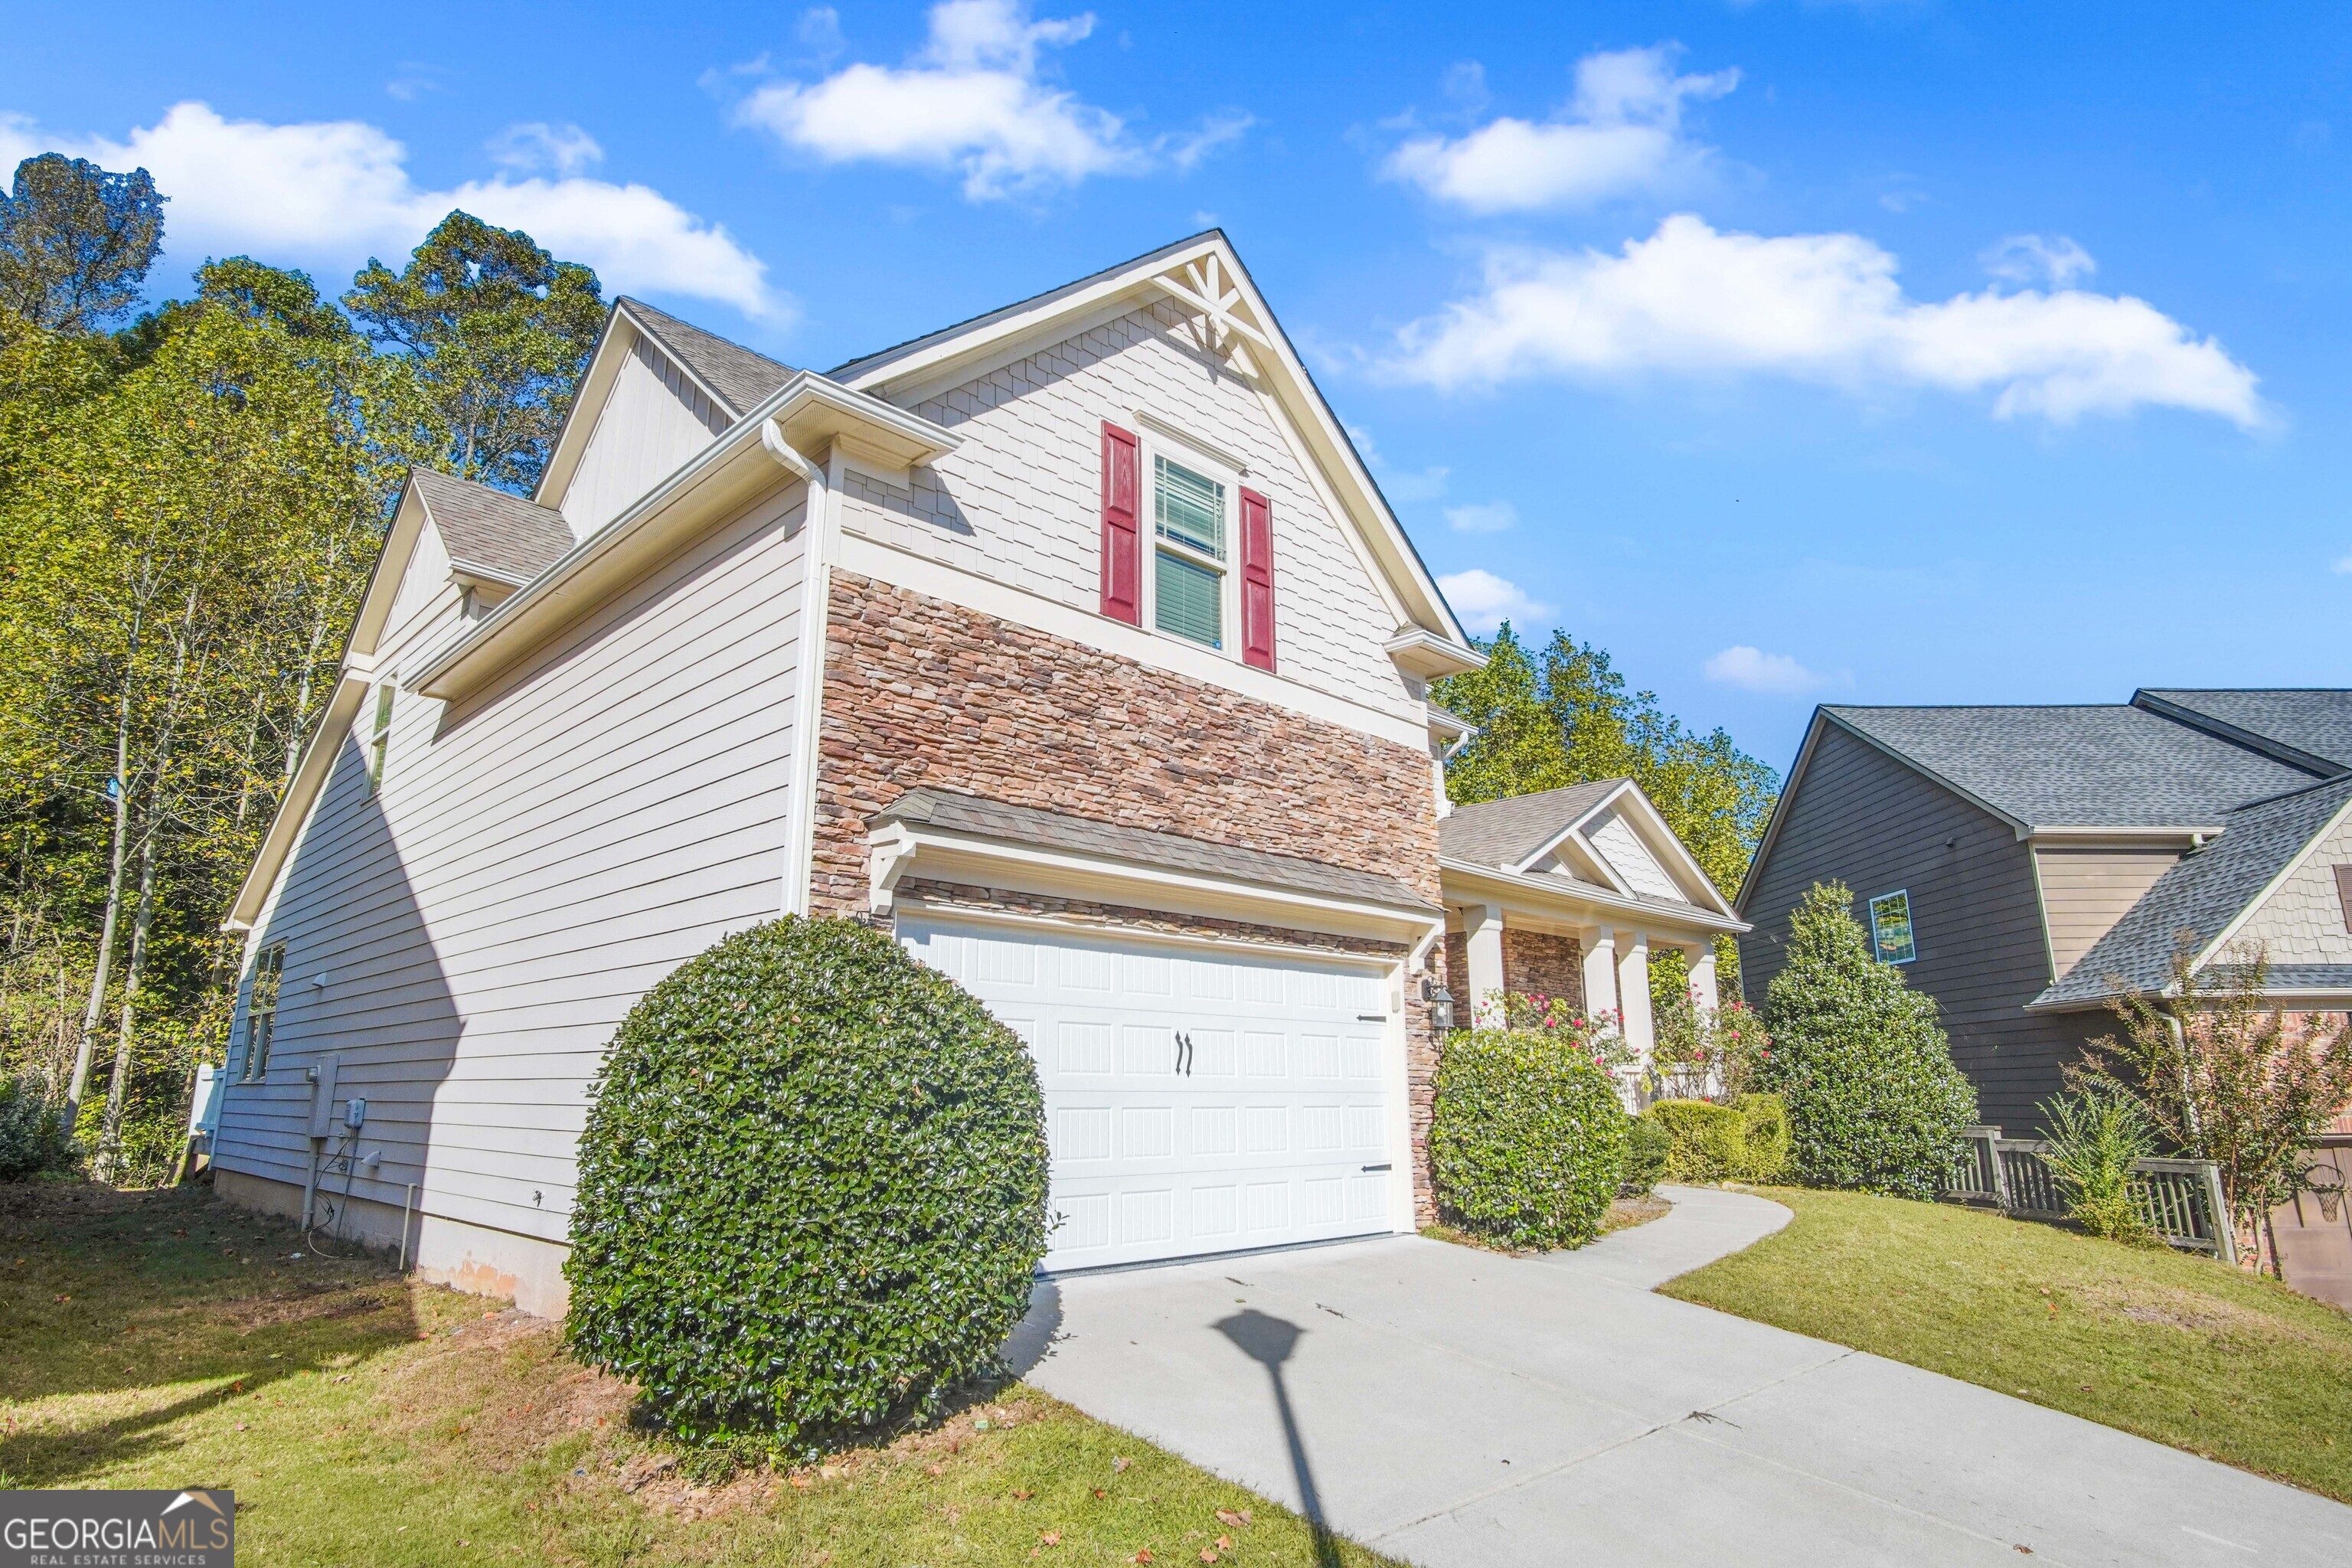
{"x": 1196, "y": 1101}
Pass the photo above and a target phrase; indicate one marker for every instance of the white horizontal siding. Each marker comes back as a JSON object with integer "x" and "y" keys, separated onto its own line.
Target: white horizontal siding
{"x": 652, "y": 422}
{"x": 1020, "y": 502}
{"x": 532, "y": 864}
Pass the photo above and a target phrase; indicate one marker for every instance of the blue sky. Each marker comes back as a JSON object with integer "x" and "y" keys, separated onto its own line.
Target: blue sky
{"x": 1892, "y": 352}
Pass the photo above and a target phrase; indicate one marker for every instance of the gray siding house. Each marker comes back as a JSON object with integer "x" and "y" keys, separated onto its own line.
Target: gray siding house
{"x": 2025, "y": 864}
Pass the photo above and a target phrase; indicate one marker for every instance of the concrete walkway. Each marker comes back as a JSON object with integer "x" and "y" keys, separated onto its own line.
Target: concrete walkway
{"x": 1455, "y": 1407}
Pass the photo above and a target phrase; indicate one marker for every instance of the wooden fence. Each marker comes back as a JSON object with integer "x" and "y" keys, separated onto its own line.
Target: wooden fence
{"x": 2180, "y": 1200}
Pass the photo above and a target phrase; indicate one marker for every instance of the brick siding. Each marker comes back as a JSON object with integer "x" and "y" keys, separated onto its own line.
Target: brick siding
{"x": 921, "y": 691}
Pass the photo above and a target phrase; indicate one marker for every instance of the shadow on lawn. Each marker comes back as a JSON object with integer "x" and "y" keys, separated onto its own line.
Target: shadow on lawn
{"x": 116, "y": 1293}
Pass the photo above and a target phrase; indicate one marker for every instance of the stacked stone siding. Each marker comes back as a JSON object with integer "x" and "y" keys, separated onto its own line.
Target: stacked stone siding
{"x": 1535, "y": 963}
{"x": 921, "y": 691}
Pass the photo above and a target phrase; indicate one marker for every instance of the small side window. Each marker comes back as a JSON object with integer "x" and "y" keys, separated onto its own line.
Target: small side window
{"x": 380, "y": 741}
{"x": 1890, "y": 928}
{"x": 2344, "y": 894}
{"x": 261, "y": 1010}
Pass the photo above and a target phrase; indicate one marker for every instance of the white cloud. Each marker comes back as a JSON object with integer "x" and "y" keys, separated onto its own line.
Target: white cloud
{"x": 2341, "y": 565}
{"x": 1485, "y": 601}
{"x": 2024, "y": 258}
{"x": 972, "y": 101}
{"x": 1753, "y": 670}
{"x": 1622, "y": 133}
{"x": 530, "y": 148}
{"x": 1821, "y": 308}
{"x": 336, "y": 191}
{"x": 1482, "y": 517}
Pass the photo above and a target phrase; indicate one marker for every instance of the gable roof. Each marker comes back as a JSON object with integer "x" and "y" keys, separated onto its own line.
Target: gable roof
{"x": 2308, "y": 728}
{"x": 491, "y": 532}
{"x": 1511, "y": 831}
{"x": 2104, "y": 765}
{"x": 2206, "y": 893}
{"x": 1202, "y": 275}
{"x": 738, "y": 377}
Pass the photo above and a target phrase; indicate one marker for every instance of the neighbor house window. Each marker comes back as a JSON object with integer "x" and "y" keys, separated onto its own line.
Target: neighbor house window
{"x": 261, "y": 1010}
{"x": 381, "y": 740}
{"x": 2344, "y": 894}
{"x": 1890, "y": 928}
{"x": 1188, "y": 578}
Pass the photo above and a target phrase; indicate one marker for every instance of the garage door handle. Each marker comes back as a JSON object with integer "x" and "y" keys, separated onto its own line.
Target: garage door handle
{"x": 1378, "y": 1167}
{"x": 1185, "y": 1053}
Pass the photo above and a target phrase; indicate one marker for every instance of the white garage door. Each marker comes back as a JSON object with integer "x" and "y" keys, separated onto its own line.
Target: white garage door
{"x": 1197, "y": 1099}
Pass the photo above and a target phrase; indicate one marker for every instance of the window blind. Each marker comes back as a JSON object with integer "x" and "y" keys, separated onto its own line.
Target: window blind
{"x": 1188, "y": 508}
{"x": 1188, "y": 600}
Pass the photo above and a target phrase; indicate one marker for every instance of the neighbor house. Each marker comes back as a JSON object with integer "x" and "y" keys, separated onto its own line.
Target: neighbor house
{"x": 2026, "y": 865}
{"x": 1074, "y": 645}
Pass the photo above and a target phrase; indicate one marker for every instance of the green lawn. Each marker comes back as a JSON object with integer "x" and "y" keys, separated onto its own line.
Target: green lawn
{"x": 163, "y": 1339}
{"x": 2177, "y": 1348}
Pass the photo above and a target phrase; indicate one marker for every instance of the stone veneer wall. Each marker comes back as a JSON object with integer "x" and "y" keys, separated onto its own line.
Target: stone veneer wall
{"x": 1535, "y": 963}
{"x": 921, "y": 691}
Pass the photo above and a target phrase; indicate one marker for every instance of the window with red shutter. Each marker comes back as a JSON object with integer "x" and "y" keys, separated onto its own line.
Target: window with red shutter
{"x": 1257, "y": 580}
{"x": 1122, "y": 550}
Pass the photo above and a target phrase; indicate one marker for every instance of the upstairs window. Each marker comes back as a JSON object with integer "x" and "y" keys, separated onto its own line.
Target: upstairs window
{"x": 380, "y": 741}
{"x": 1188, "y": 579}
{"x": 1890, "y": 928}
{"x": 261, "y": 1009}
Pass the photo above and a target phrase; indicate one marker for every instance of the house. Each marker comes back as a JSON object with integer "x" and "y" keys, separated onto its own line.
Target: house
{"x": 2025, "y": 865}
{"x": 1074, "y": 645}
{"x": 1566, "y": 893}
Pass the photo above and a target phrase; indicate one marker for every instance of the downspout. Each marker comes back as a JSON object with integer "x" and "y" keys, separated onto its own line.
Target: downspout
{"x": 808, "y": 690}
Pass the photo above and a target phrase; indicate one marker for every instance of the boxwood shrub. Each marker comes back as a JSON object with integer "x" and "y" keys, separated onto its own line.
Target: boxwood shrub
{"x": 812, "y": 1190}
{"x": 1874, "y": 1099}
{"x": 1763, "y": 1136}
{"x": 1646, "y": 1145}
{"x": 1528, "y": 1145}
{"x": 1704, "y": 1141}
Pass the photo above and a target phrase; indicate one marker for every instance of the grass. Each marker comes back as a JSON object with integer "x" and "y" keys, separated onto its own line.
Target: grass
{"x": 2177, "y": 1348}
{"x": 163, "y": 1338}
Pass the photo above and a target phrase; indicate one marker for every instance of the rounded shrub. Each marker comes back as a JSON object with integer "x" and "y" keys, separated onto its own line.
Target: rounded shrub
{"x": 1763, "y": 1136}
{"x": 1706, "y": 1142}
{"x": 1527, "y": 1142}
{"x": 33, "y": 1135}
{"x": 1874, "y": 1099}
{"x": 813, "y": 1190}
{"x": 1646, "y": 1144}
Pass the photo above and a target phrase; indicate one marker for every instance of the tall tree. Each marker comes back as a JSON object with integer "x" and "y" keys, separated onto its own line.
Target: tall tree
{"x": 76, "y": 242}
{"x": 498, "y": 331}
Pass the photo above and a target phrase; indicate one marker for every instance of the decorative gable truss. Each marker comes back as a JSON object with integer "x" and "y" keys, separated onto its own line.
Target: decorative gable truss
{"x": 1621, "y": 842}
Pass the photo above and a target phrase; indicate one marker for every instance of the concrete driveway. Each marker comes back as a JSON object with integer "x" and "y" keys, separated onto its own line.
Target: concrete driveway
{"x": 1452, "y": 1406}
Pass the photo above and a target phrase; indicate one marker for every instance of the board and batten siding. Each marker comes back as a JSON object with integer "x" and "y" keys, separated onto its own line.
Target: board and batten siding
{"x": 652, "y": 420}
{"x": 2086, "y": 889}
{"x": 467, "y": 938}
{"x": 1020, "y": 502}
{"x": 1861, "y": 818}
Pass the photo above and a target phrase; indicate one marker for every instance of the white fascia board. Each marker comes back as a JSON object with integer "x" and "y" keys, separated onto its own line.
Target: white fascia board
{"x": 1419, "y": 651}
{"x": 1467, "y": 882}
{"x": 808, "y": 413}
{"x": 1527, "y": 862}
{"x": 319, "y": 751}
{"x": 955, "y": 354}
{"x": 2164, "y": 835}
{"x": 1666, "y": 844}
{"x": 899, "y": 849}
{"x": 604, "y": 359}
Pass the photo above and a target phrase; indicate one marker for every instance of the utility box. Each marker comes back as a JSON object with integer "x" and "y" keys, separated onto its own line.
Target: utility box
{"x": 322, "y": 1074}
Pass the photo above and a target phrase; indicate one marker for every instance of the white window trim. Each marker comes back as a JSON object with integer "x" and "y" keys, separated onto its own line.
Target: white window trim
{"x": 1871, "y": 906}
{"x": 1155, "y": 440}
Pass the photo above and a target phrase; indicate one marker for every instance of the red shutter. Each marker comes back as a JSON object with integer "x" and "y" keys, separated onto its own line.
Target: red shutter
{"x": 1122, "y": 563}
{"x": 1257, "y": 580}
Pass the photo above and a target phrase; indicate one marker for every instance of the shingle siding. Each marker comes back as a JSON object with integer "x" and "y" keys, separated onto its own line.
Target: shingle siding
{"x": 1859, "y": 816}
{"x": 2302, "y": 922}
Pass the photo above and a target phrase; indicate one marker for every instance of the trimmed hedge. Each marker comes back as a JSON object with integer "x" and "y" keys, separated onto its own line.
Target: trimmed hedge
{"x": 33, "y": 1136}
{"x": 1528, "y": 1142}
{"x": 812, "y": 1190}
{"x": 1705, "y": 1141}
{"x": 1646, "y": 1144}
{"x": 1874, "y": 1099}
{"x": 1764, "y": 1137}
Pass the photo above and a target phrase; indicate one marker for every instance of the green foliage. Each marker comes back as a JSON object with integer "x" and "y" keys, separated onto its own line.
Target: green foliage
{"x": 32, "y": 1133}
{"x": 1701, "y": 1053}
{"x": 1527, "y": 1143}
{"x": 2222, "y": 1073}
{"x": 1763, "y": 1136}
{"x": 812, "y": 1190}
{"x": 74, "y": 242}
{"x": 2094, "y": 1138}
{"x": 1565, "y": 717}
{"x": 1646, "y": 1146}
{"x": 1873, "y": 1097}
{"x": 498, "y": 332}
{"x": 1704, "y": 1140}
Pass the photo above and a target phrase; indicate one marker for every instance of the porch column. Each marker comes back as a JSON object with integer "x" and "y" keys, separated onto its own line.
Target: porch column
{"x": 1702, "y": 977}
{"x": 1634, "y": 991}
{"x": 1483, "y": 924}
{"x": 1600, "y": 971}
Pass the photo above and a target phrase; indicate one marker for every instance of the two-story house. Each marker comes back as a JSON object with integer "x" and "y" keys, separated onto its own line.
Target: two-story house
{"x": 1074, "y": 645}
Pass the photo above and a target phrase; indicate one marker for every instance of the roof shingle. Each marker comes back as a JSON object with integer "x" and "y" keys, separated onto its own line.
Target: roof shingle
{"x": 741, "y": 377}
{"x": 2310, "y": 726}
{"x": 490, "y": 530}
{"x": 1505, "y": 832}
